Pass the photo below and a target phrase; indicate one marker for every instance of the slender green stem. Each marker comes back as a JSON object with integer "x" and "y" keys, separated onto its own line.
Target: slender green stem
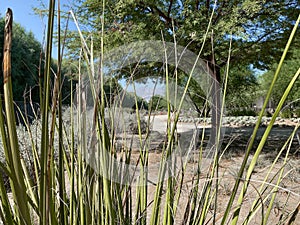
{"x": 240, "y": 173}
{"x": 19, "y": 188}
{"x": 61, "y": 176}
{"x": 45, "y": 185}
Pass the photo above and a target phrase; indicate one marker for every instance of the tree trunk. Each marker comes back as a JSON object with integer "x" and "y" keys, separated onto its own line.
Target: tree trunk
{"x": 216, "y": 106}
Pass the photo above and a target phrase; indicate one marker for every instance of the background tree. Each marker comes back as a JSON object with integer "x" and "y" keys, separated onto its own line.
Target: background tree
{"x": 287, "y": 71}
{"x": 258, "y": 30}
{"x": 116, "y": 96}
{"x": 25, "y": 62}
{"x": 158, "y": 102}
{"x": 242, "y": 87}
{"x": 26, "y": 55}
{"x": 68, "y": 73}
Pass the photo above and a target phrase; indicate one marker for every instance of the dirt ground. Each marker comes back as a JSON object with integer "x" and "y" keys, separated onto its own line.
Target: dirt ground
{"x": 288, "y": 193}
{"x": 234, "y": 142}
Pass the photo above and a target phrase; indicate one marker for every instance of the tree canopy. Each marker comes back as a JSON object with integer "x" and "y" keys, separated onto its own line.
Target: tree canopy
{"x": 158, "y": 102}
{"x": 258, "y": 31}
{"x": 242, "y": 87}
{"x": 258, "y": 28}
{"x": 288, "y": 69}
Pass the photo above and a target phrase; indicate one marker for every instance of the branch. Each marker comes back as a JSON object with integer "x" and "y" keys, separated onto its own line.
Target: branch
{"x": 197, "y": 5}
{"x": 219, "y": 15}
{"x": 207, "y": 6}
{"x": 245, "y": 50}
{"x": 155, "y": 9}
{"x": 170, "y": 7}
{"x": 162, "y": 14}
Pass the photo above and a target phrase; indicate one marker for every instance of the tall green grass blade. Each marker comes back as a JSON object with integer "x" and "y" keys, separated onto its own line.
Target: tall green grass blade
{"x": 72, "y": 198}
{"x": 18, "y": 185}
{"x": 5, "y": 207}
{"x": 61, "y": 176}
{"x": 257, "y": 204}
{"x": 242, "y": 168}
{"x": 275, "y": 189}
{"x": 168, "y": 201}
{"x": 141, "y": 208}
{"x": 45, "y": 181}
{"x": 261, "y": 144}
{"x": 81, "y": 121}
{"x": 157, "y": 196}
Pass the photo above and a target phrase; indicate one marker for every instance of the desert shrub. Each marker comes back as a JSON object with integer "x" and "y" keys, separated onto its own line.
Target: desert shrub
{"x": 286, "y": 113}
{"x": 297, "y": 112}
{"x": 268, "y": 113}
{"x": 124, "y": 120}
{"x": 242, "y": 112}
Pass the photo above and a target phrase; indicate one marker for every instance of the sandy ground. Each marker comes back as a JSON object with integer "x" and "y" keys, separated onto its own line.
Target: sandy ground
{"x": 235, "y": 140}
{"x": 287, "y": 199}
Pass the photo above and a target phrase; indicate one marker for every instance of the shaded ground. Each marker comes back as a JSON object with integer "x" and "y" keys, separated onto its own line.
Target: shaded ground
{"x": 239, "y": 137}
{"x": 233, "y": 138}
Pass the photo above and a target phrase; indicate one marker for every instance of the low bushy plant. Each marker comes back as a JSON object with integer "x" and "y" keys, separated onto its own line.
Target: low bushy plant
{"x": 242, "y": 112}
{"x": 286, "y": 113}
{"x": 297, "y": 112}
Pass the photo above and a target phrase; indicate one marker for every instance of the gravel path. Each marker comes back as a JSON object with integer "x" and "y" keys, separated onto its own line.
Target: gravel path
{"x": 237, "y": 136}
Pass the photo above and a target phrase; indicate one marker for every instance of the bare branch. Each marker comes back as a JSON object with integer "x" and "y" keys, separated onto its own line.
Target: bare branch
{"x": 170, "y": 8}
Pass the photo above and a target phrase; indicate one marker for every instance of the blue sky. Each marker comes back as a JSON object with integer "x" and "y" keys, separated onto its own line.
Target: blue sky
{"x": 24, "y": 15}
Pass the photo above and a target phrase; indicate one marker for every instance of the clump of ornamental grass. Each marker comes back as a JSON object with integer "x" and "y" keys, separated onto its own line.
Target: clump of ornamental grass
{"x": 79, "y": 177}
